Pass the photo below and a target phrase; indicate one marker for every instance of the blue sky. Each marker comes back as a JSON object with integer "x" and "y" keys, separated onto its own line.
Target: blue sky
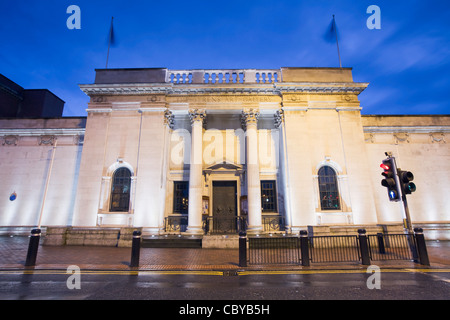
{"x": 406, "y": 62}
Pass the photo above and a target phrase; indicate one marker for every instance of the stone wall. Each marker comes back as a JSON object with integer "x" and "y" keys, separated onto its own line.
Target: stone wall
{"x": 72, "y": 236}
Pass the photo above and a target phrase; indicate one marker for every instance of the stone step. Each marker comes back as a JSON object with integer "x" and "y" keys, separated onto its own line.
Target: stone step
{"x": 171, "y": 242}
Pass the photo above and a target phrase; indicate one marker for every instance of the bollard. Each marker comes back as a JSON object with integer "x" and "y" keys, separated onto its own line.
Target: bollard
{"x": 421, "y": 247}
{"x": 242, "y": 249}
{"x": 304, "y": 248}
{"x": 135, "y": 249}
{"x": 364, "y": 247}
{"x": 33, "y": 247}
{"x": 381, "y": 248}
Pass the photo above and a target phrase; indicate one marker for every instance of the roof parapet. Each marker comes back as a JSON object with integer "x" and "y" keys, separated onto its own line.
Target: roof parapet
{"x": 224, "y": 76}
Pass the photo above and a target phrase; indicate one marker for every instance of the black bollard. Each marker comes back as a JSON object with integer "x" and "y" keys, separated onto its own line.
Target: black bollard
{"x": 381, "y": 248}
{"x": 304, "y": 248}
{"x": 364, "y": 247}
{"x": 33, "y": 247}
{"x": 421, "y": 247}
{"x": 135, "y": 249}
{"x": 242, "y": 249}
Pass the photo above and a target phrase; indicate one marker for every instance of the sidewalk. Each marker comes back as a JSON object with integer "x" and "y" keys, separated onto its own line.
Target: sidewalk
{"x": 13, "y": 252}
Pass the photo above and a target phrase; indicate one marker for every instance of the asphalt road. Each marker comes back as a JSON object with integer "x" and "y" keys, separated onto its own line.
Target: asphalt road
{"x": 397, "y": 284}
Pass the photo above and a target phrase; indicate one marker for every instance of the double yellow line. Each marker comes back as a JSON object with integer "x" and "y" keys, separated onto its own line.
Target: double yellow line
{"x": 214, "y": 273}
{"x": 334, "y": 271}
{"x": 112, "y": 272}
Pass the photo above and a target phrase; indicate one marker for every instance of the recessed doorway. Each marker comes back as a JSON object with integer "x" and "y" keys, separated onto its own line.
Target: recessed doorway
{"x": 224, "y": 210}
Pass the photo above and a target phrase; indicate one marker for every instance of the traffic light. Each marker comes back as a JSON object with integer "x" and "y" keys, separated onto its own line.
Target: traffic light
{"x": 390, "y": 181}
{"x": 405, "y": 178}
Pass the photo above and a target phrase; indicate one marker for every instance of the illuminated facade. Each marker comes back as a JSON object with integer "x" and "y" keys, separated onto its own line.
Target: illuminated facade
{"x": 216, "y": 151}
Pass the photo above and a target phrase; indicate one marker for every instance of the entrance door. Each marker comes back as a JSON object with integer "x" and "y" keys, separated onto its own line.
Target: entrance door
{"x": 224, "y": 207}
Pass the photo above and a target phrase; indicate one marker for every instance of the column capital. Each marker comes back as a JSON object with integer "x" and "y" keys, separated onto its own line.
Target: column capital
{"x": 278, "y": 118}
{"x": 197, "y": 115}
{"x": 169, "y": 118}
{"x": 249, "y": 116}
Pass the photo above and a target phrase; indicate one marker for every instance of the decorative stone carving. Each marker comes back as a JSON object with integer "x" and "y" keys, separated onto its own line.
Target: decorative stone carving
{"x": 10, "y": 140}
{"x": 98, "y": 99}
{"x": 278, "y": 118}
{"x": 169, "y": 119}
{"x": 369, "y": 137}
{"x": 249, "y": 116}
{"x": 401, "y": 137}
{"x": 47, "y": 140}
{"x": 437, "y": 137}
{"x": 197, "y": 115}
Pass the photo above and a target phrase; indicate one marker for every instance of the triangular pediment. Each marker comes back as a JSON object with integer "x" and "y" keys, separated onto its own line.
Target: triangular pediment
{"x": 224, "y": 166}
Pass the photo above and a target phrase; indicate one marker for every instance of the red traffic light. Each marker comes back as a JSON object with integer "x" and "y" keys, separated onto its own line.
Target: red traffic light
{"x": 385, "y": 167}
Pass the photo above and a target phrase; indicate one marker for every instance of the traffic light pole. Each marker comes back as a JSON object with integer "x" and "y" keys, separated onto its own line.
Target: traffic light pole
{"x": 408, "y": 225}
{"x": 407, "y": 220}
{"x": 409, "y": 230}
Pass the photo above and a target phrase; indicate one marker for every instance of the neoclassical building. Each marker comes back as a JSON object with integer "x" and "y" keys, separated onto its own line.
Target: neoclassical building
{"x": 217, "y": 151}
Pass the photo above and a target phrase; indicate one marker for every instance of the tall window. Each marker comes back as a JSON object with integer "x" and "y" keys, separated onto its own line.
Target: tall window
{"x": 120, "y": 191}
{"x": 180, "y": 197}
{"x": 268, "y": 196}
{"x": 328, "y": 189}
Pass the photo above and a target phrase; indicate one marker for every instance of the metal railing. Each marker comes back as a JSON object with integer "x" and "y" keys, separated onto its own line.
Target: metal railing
{"x": 273, "y": 223}
{"x": 343, "y": 248}
{"x": 222, "y": 225}
{"x": 334, "y": 248}
{"x": 286, "y": 250}
{"x": 175, "y": 224}
{"x": 274, "y": 250}
{"x": 392, "y": 246}
{"x": 211, "y": 225}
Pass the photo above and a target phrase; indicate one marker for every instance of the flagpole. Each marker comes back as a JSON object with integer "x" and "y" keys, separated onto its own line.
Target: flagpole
{"x": 109, "y": 42}
{"x": 337, "y": 43}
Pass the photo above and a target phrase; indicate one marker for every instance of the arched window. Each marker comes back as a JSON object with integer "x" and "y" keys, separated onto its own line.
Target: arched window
{"x": 328, "y": 189}
{"x": 120, "y": 190}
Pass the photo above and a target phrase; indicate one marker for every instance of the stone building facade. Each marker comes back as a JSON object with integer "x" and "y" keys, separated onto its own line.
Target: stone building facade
{"x": 215, "y": 151}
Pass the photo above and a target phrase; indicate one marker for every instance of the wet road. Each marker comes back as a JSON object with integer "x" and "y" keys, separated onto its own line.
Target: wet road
{"x": 394, "y": 284}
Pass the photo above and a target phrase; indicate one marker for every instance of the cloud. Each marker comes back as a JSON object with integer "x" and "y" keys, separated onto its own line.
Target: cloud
{"x": 418, "y": 52}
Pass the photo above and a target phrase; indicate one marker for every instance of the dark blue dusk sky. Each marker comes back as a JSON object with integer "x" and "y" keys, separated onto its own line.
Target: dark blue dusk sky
{"x": 406, "y": 62}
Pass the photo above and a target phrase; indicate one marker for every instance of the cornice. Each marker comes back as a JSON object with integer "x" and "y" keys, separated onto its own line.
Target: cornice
{"x": 185, "y": 89}
{"x": 41, "y": 132}
{"x": 406, "y": 129}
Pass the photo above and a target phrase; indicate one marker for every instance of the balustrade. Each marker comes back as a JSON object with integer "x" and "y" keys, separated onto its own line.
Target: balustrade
{"x": 223, "y": 76}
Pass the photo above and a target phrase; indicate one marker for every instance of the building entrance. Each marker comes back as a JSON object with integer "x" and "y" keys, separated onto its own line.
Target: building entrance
{"x": 224, "y": 210}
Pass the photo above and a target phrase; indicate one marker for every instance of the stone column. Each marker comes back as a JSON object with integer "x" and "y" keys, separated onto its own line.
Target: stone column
{"x": 169, "y": 123}
{"x": 279, "y": 123}
{"x": 195, "y": 173}
{"x": 249, "y": 121}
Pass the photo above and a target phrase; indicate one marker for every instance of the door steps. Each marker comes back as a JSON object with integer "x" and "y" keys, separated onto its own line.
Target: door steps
{"x": 171, "y": 241}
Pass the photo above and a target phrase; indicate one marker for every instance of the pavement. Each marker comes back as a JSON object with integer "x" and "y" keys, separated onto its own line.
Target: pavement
{"x": 13, "y": 252}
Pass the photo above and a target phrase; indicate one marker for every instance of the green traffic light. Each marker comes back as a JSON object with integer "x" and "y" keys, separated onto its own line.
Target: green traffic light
{"x": 411, "y": 187}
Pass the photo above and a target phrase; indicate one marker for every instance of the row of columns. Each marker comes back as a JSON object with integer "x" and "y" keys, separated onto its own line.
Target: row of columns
{"x": 249, "y": 121}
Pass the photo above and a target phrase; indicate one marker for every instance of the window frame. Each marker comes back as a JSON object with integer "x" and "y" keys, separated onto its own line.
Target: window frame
{"x": 329, "y": 195}
{"x": 120, "y": 183}
{"x": 274, "y": 196}
{"x": 177, "y": 195}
